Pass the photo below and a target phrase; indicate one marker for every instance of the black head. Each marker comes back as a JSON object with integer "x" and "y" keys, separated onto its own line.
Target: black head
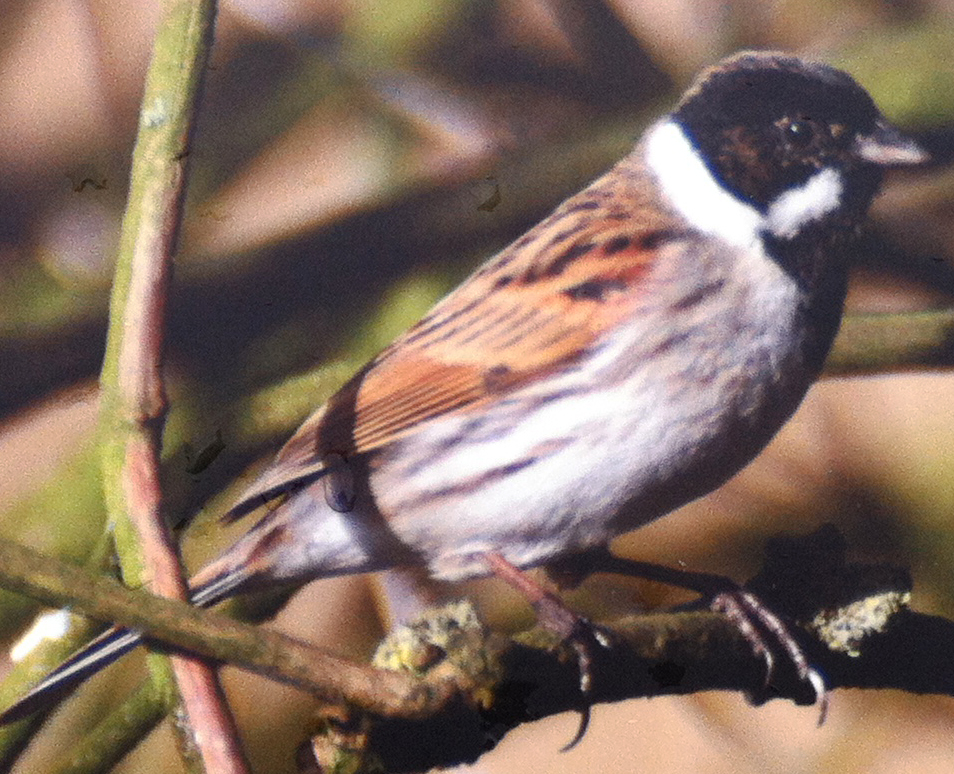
{"x": 766, "y": 122}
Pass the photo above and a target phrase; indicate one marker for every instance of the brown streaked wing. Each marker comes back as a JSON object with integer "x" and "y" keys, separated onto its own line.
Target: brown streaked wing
{"x": 481, "y": 343}
{"x": 537, "y": 306}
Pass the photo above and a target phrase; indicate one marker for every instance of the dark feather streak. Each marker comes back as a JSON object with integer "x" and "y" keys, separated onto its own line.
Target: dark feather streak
{"x": 616, "y": 244}
{"x": 595, "y": 290}
{"x": 654, "y": 239}
{"x": 559, "y": 264}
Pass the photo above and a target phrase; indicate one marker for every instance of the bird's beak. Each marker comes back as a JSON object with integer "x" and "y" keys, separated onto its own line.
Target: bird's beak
{"x": 887, "y": 147}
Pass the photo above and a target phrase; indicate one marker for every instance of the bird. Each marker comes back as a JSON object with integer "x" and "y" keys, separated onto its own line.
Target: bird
{"x": 626, "y": 355}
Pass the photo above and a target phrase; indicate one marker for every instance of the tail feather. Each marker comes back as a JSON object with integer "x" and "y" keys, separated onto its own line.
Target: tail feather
{"x": 96, "y": 655}
{"x": 107, "y": 648}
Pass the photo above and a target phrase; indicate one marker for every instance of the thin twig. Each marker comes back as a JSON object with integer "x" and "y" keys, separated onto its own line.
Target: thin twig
{"x": 134, "y": 403}
{"x": 882, "y": 343}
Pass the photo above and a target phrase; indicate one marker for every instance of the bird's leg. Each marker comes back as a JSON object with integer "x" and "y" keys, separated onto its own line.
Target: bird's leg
{"x": 555, "y": 616}
{"x": 755, "y": 621}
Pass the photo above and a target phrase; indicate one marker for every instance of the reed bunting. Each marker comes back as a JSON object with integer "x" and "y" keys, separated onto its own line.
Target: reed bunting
{"x": 626, "y": 355}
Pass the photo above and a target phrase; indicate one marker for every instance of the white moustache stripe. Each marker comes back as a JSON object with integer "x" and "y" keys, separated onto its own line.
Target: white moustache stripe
{"x": 811, "y": 201}
{"x": 697, "y": 196}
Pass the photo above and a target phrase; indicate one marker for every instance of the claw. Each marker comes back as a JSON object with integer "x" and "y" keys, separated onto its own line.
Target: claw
{"x": 573, "y": 629}
{"x": 583, "y": 636}
{"x": 734, "y": 606}
{"x": 585, "y": 712}
{"x": 821, "y": 694}
{"x": 745, "y": 610}
{"x": 602, "y": 638}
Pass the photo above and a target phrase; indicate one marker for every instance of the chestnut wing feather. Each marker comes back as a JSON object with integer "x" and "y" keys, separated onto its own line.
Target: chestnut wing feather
{"x": 536, "y": 307}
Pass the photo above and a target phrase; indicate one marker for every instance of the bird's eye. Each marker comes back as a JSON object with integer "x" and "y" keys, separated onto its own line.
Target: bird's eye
{"x": 798, "y": 133}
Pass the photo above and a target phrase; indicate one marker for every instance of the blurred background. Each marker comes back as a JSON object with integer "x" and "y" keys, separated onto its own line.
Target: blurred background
{"x": 354, "y": 159}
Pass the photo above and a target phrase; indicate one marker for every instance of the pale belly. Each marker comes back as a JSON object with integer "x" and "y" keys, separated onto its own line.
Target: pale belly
{"x": 534, "y": 480}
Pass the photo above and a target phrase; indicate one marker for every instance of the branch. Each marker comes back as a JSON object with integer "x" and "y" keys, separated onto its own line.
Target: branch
{"x": 216, "y": 636}
{"x": 853, "y": 623}
{"x": 881, "y": 343}
{"x": 458, "y": 689}
{"x": 652, "y": 655}
{"x": 134, "y": 404}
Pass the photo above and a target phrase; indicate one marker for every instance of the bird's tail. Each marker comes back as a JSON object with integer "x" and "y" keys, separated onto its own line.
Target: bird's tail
{"x": 95, "y": 655}
{"x": 102, "y": 651}
{"x": 261, "y": 557}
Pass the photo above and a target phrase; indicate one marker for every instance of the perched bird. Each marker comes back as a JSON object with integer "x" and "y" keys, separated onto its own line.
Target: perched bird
{"x": 626, "y": 355}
